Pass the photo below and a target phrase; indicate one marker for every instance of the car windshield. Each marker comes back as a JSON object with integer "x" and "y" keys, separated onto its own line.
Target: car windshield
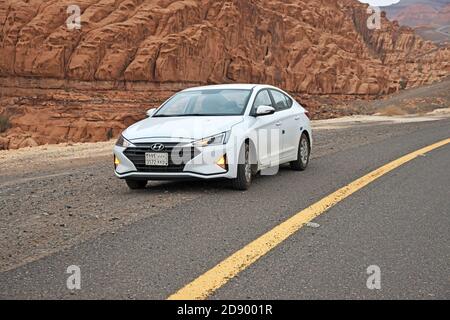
{"x": 226, "y": 102}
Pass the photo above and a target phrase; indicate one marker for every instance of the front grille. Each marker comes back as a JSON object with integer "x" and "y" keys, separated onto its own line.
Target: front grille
{"x": 137, "y": 156}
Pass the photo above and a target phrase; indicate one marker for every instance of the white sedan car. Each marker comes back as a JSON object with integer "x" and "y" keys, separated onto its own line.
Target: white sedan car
{"x": 213, "y": 132}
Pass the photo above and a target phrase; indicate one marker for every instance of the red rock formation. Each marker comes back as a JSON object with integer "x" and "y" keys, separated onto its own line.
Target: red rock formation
{"x": 305, "y": 46}
{"x": 314, "y": 47}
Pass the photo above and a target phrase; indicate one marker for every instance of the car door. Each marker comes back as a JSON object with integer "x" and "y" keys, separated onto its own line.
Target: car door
{"x": 287, "y": 124}
{"x": 294, "y": 129}
{"x": 267, "y": 131}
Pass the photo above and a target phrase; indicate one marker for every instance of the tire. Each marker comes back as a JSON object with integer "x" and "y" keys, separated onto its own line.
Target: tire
{"x": 244, "y": 170}
{"x": 303, "y": 154}
{"x": 136, "y": 184}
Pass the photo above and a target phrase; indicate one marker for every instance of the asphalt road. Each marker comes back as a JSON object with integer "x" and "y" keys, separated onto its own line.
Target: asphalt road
{"x": 399, "y": 223}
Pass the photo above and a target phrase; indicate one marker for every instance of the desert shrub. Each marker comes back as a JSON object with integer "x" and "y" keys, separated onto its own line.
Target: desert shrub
{"x": 4, "y": 123}
{"x": 403, "y": 83}
{"x": 109, "y": 134}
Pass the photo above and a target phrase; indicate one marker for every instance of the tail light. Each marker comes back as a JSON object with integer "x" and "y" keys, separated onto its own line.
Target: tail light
{"x": 307, "y": 114}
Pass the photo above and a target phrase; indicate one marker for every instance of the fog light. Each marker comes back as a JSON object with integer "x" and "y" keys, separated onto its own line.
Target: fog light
{"x": 222, "y": 162}
{"x": 116, "y": 161}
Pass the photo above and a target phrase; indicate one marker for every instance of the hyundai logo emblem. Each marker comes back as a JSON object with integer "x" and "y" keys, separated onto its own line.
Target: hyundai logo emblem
{"x": 157, "y": 147}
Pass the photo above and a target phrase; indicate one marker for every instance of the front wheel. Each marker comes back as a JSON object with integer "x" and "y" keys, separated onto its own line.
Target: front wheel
{"x": 244, "y": 170}
{"x": 304, "y": 150}
{"x": 136, "y": 184}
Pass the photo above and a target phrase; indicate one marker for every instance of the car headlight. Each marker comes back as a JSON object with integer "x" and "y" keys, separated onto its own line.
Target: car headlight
{"x": 219, "y": 139}
{"x": 124, "y": 143}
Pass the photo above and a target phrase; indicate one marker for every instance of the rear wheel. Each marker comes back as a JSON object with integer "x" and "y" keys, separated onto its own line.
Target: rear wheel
{"x": 244, "y": 170}
{"x": 304, "y": 150}
{"x": 136, "y": 184}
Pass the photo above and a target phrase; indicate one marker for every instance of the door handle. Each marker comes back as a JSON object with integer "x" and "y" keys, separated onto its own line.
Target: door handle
{"x": 297, "y": 118}
{"x": 278, "y": 124}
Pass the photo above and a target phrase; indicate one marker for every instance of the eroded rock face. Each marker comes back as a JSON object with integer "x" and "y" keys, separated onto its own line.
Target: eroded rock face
{"x": 41, "y": 115}
{"x": 304, "y": 46}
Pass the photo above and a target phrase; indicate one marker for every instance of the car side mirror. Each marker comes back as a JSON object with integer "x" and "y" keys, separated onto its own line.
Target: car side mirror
{"x": 151, "y": 112}
{"x": 264, "y": 111}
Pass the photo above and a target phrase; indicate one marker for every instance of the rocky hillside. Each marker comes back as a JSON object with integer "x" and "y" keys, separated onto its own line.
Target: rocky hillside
{"x": 430, "y": 18}
{"x": 415, "y": 13}
{"x": 424, "y": 15}
{"x": 308, "y": 47}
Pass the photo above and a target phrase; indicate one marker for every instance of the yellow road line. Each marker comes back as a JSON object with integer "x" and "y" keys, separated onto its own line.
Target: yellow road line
{"x": 216, "y": 277}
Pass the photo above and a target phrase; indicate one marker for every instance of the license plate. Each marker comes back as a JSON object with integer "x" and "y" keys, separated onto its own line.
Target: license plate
{"x": 157, "y": 159}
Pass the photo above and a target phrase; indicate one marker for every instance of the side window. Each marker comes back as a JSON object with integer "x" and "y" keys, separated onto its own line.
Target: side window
{"x": 262, "y": 99}
{"x": 289, "y": 101}
{"x": 281, "y": 101}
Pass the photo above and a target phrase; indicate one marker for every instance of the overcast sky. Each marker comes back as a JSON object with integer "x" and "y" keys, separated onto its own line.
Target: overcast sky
{"x": 380, "y": 3}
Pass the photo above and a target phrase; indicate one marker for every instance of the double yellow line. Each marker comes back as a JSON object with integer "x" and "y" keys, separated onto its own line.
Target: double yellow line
{"x": 213, "y": 279}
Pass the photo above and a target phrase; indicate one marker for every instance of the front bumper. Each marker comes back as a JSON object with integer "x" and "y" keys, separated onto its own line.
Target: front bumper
{"x": 203, "y": 165}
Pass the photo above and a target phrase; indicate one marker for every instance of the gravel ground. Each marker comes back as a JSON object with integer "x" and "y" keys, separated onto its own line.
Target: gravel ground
{"x": 52, "y": 197}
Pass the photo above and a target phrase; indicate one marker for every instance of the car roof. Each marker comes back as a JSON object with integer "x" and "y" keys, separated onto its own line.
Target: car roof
{"x": 241, "y": 86}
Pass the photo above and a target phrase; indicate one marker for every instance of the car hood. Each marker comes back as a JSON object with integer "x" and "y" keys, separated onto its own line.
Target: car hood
{"x": 180, "y": 127}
